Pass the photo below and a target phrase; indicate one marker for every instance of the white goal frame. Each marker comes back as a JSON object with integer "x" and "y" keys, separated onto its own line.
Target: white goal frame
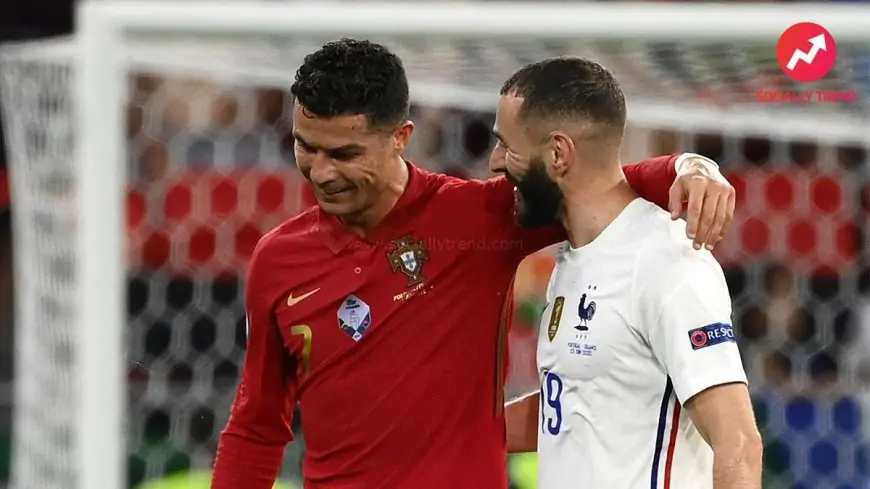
{"x": 102, "y": 60}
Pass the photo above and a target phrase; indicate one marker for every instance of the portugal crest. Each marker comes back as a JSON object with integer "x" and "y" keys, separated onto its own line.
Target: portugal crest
{"x": 408, "y": 256}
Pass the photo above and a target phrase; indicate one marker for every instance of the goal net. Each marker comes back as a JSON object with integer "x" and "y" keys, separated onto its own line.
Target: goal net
{"x": 150, "y": 152}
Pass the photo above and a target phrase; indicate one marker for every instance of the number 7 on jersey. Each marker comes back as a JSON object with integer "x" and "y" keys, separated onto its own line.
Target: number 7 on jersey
{"x": 305, "y": 331}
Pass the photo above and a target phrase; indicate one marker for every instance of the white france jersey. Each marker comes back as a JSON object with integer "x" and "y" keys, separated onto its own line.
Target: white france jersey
{"x": 636, "y": 323}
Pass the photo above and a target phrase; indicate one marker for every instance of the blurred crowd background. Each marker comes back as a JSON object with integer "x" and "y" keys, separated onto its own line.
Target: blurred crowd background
{"x": 212, "y": 169}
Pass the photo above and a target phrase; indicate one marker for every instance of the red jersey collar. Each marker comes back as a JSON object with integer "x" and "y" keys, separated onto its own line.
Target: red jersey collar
{"x": 337, "y": 236}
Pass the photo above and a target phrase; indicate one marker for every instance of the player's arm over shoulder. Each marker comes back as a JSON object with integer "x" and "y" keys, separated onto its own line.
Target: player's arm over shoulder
{"x": 683, "y": 309}
{"x": 486, "y": 209}
{"x": 651, "y": 179}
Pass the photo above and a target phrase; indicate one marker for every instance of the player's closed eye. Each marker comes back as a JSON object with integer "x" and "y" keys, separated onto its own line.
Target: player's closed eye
{"x": 342, "y": 155}
{"x": 304, "y": 147}
{"x": 499, "y": 140}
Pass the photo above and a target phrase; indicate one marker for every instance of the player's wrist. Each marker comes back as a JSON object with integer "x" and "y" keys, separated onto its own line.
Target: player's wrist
{"x": 693, "y": 163}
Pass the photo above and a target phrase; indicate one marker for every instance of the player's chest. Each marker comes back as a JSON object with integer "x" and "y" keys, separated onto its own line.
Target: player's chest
{"x": 586, "y": 328}
{"x": 370, "y": 291}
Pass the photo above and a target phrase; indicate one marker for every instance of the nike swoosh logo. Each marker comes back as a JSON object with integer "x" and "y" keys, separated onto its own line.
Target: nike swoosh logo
{"x": 292, "y": 301}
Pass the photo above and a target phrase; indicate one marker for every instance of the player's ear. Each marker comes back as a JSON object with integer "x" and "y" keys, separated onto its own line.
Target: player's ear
{"x": 403, "y": 135}
{"x": 561, "y": 149}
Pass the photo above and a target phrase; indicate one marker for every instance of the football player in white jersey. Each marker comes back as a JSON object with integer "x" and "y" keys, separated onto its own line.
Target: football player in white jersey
{"x": 642, "y": 385}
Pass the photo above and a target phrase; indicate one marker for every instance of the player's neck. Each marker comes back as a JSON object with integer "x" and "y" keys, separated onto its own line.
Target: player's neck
{"x": 593, "y": 199}
{"x": 373, "y": 216}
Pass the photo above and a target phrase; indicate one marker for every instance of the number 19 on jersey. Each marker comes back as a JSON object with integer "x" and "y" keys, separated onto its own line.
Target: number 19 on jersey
{"x": 551, "y": 403}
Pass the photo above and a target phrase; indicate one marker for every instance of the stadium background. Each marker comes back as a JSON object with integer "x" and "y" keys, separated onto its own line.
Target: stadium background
{"x": 212, "y": 170}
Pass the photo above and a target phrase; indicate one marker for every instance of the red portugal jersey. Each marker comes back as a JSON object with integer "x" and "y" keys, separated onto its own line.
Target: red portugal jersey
{"x": 393, "y": 344}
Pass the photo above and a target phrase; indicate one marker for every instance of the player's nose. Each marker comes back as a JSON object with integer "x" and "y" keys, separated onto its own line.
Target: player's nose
{"x": 322, "y": 169}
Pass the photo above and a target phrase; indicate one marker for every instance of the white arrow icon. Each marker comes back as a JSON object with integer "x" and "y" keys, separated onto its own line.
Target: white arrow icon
{"x": 818, "y": 43}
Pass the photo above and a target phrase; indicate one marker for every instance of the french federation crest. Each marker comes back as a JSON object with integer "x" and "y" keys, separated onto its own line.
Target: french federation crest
{"x": 585, "y": 310}
{"x": 408, "y": 257}
{"x": 354, "y": 317}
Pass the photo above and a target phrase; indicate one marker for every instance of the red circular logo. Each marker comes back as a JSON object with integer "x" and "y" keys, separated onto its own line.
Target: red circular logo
{"x": 699, "y": 338}
{"x": 806, "y": 52}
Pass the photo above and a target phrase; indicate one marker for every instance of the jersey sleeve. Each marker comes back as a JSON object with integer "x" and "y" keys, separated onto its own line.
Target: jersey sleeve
{"x": 652, "y": 179}
{"x": 684, "y": 311}
{"x": 252, "y": 445}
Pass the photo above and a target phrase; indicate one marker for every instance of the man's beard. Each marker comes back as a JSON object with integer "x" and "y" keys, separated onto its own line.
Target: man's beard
{"x": 539, "y": 202}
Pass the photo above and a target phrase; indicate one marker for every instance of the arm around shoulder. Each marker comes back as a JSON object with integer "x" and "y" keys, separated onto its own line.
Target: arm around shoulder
{"x": 651, "y": 179}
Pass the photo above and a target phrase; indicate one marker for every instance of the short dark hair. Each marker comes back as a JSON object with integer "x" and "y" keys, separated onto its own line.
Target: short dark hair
{"x": 353, "y": 77}
{"x": 569, "y": 88}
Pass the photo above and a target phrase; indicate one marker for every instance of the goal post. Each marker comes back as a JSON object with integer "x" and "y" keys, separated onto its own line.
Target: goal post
{"x": 101, "y": 185}
{"x": 514, "y": 22}
{"x": 457, "y": 54}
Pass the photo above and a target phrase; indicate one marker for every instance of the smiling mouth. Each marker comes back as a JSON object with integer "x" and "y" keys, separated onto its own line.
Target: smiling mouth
{"x": 334, "y": 192}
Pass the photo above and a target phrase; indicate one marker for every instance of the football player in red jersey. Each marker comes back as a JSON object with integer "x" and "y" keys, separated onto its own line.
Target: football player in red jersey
{"x": 383, "y": 310}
